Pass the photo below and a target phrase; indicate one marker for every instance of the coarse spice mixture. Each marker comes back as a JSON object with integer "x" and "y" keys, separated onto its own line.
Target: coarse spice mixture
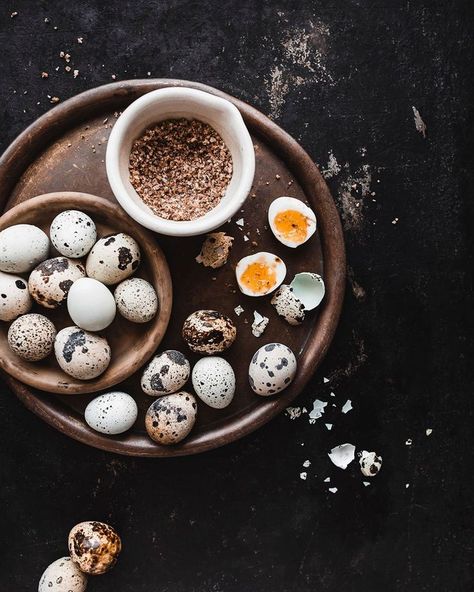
{"x": 180, "y": 168}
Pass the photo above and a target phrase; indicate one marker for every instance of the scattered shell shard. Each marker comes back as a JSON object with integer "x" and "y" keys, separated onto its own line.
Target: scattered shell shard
{"x": 342, "y": 455}
{"x": 215, "y": 250}
{"x": 370, "y": 463}
{"x": 309, "y": 289}
{"x": 288, "y": 306}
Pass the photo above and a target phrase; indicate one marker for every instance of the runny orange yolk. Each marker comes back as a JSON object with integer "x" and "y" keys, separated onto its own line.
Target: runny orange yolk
{"x": 259, "y": 278}
{"x": 292, "y": 225}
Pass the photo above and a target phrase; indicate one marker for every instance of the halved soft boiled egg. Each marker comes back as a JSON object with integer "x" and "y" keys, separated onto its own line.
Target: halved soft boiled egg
{"x": 260, "y": 274}
{"x": 292, "y": 222}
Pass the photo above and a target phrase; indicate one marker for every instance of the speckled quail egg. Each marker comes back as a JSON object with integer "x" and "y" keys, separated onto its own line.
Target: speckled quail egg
{"x": 370, "y": 463}
{"x": 208, "y": 332}
{"x": 94, "y": 546}
{"x": 31, "y": 337}
{"x": 169, "y": 419}
{"x": 291, "y": 221}
{"x": 15, "y": 299}
{"x": 272, "y": 369}
{"x": 288, "y": 306}
{"x": 81, "y": 354}
{"x": 260, "y": 274}
{"x": 22, "y": 247}
{"x": 63, "y": 575}
{"x": 214, "y": 381}
{"x": 166, "y": 373}
{"x": 111, "y": 413}
{"x": 91, "y": 304}
{"x": 73, "y": 233}
{"x": 305, "y": 293}
{"x": 113, "y": 258}
{"x": 50, "y": 281}
{"x": 136, "y": 300}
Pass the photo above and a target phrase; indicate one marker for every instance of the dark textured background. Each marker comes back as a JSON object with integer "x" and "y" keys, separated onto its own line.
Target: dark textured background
{"x": 341, "y": 76}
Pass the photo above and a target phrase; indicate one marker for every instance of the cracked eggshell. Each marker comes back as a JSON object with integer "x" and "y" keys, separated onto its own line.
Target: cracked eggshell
{"x": 94, "y": 546}
{"x": 166, "y": 373}
{"x": 214, "y": 381}
{"x": 80, "y": 354}
{"x": 288, "y": 306}
{"x": 169, "y": 419}
{"x": 260, "y": 274}
{"x": 136, "y": 300}
{"x": 272, "y": 369}
{"x": 50, "y": 281}
{"x": 22, "y": 247}
{"x": 370, "y": 463}
{"x": 73, "y": 233}
{"x": 111, "y": 413}
{"x": 208, "y": 332}
{"x": 309, "y": 289}
{"x": 91, "y": 304}
{"x": 291, "y": 221}
{"x": 31, "y": 337}
{"x": 63, "y": 575}
{"x": 113, "y": 258}
{"x": 15, "y": 299}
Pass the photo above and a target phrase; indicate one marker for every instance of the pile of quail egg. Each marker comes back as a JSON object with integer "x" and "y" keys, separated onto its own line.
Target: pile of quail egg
{"x": 94, "y": 548}
{"x": 79, "y": 276}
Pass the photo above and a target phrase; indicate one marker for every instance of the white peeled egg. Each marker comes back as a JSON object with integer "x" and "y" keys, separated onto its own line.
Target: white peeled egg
{"x": 291, "y": 221}
{"x": 73, "y": 233}
{"x": 214, "y": 381}
{"x": 112, "y": 413}
{"x": 22, "y": 247}
{"x": 90, "y": 304}
{"x": 260, "y": 274}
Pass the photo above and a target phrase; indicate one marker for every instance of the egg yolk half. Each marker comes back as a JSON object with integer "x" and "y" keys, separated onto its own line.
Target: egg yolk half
{"x": 259, "y": 278}
{"x": 292, "y": 225}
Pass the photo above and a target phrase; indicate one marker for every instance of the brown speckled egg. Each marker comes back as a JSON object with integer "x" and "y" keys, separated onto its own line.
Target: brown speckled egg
{"x": 169, "y": 419}
{"x": 94, "y": 546}
{"x": 166, "y": 373}
{"x": 81, "y": 354}
{"x": 136, "y": 300}
{"x": 113, "y": 258}
{"x": 15, "y": 299}
{"x": 31, "y": 337}
{"x": 208, "y": 332}
{"x": 63, "y": 575}
{"x": 50, "y": 281}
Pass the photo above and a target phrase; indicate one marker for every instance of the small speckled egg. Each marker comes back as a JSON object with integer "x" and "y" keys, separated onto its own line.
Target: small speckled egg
{"x": 31, "y": 337}
{"x": 113, "y": 258}
{"x": 288, "y": 306}
{"x": 90, "y": 304}
{"x": 136, "y": 300}
{"x": 73, "y": 233}
{"x": 272, "y": 369}
{"x": 370, "y": 463}
{"x": 94, "y": 546}
{"x": 208, "y": 332}
{"x": 50, "y": 281}
{"x": 111, "y": 413}
{"x": 15, "y": 299}
{"x": 166, "y": 373}
{"x": 80, "y": 354}
{"x": 22, "y": 247}
{"x": 214, "y": 381}
{"x": 63, "y": 575}
{"x": 169, "y": 419}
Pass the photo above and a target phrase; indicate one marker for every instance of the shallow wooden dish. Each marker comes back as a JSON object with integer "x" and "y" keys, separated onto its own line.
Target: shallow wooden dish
{"x": 65, "y": 149}
{"x": 132, "y": 344}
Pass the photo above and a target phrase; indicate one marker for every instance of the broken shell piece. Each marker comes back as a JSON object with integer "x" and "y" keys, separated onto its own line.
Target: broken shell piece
{"x": 288, "y": 306}
{"x": 309, "y": 289}
{"x": 259, "y": 324}
{"x": 291, "y": 221}
{"x": 215, "y": 250}
{"x": 342, "y": 455}
{"x": 370, "y": 463}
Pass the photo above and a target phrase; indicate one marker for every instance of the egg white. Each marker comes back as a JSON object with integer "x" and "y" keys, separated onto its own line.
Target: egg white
{"x": 282, "y": 204}
{"x": 268, "y": 259}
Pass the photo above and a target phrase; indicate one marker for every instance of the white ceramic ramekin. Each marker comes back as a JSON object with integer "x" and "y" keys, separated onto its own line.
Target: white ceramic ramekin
{"x": 175, "y": 103}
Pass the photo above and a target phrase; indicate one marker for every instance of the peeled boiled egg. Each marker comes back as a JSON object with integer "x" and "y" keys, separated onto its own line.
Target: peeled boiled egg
{"x": 90, "y": 304}
{"x": 291, "y": 221}
{"x": 260, "y": 274}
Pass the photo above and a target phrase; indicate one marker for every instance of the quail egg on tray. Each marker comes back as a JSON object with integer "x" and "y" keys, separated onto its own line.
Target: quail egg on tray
{"x": 165, "y": 374}
{"x": 303, "y": 294}
{"x": 111, "y": 413}
{"x": 208, "y": 332}
{"x": 291, "y": 221}
{"x": 169, "y": 419}
{"x": 272, "y": 369}
{"x": 214, "y": 381}
{"x": 260, "y": 274}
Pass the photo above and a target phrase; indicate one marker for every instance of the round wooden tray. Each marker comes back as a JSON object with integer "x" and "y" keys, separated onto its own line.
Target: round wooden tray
{"x": 64, "y": 150}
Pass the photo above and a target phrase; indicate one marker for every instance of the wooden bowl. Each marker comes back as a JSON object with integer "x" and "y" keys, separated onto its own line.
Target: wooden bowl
{"x": 132, "y": 344}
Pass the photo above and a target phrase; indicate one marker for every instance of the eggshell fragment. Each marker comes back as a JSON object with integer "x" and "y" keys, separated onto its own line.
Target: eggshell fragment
{"x": 63, "y": 575}
{"x": 370, "y": 463}
{"x": 309, "y": 289}
{"x": 111, "y": 413}
{"x": 166, "y": 373}
{"x": 15, "y": 299}
{"x": 94, "y": 547}
{"x": 288, "y": 306}
{"x": 169, "y": 419}
{"x": 272, "y": 369}
{"x": 215, "y": 250}
{"x": 214, "y": 381}
{"x": 113, "y": 258}
{"x": 50, "y": 281}
{"x": 81, "y": 354}
{"x": 22, "y": 247}
{"x": 208, "y": 332}
{"x": 32, "y": 337}
{"x": 91, "y": 304}
{"x": 136, "y": 300}
{"x": 73, "y": 233}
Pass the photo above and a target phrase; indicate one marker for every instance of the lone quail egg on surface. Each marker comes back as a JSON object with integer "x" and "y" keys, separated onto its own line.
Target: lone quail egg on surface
{"x": 260, "y": 274}
{"x": 136, "y": 300}
{"x": 50, "y": 281}
{"x": 370, "y": 463}
{"x": 165, "y": 374}
{"x": 305, "y": 293}
{"x": 81, "y": 354}
{"x": 31, "y": 337}
{"x": 272, "y": 369}
{"x": 291, "y": 221}
{"x": 113, "y": 258}
{"x": 112, "y": 413}
{"x": 91, "y": 304}
{"x": 22, "y": 247}
{"x": 214, "y": 381}
{"x": 15, "y": 299}
{"x": 94, "y": 546}
{"x": 73, "y": 233}
{"x": 208, "y": 332}
{"x": 63, "y": 575}
{"x": 169, "y": 419}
